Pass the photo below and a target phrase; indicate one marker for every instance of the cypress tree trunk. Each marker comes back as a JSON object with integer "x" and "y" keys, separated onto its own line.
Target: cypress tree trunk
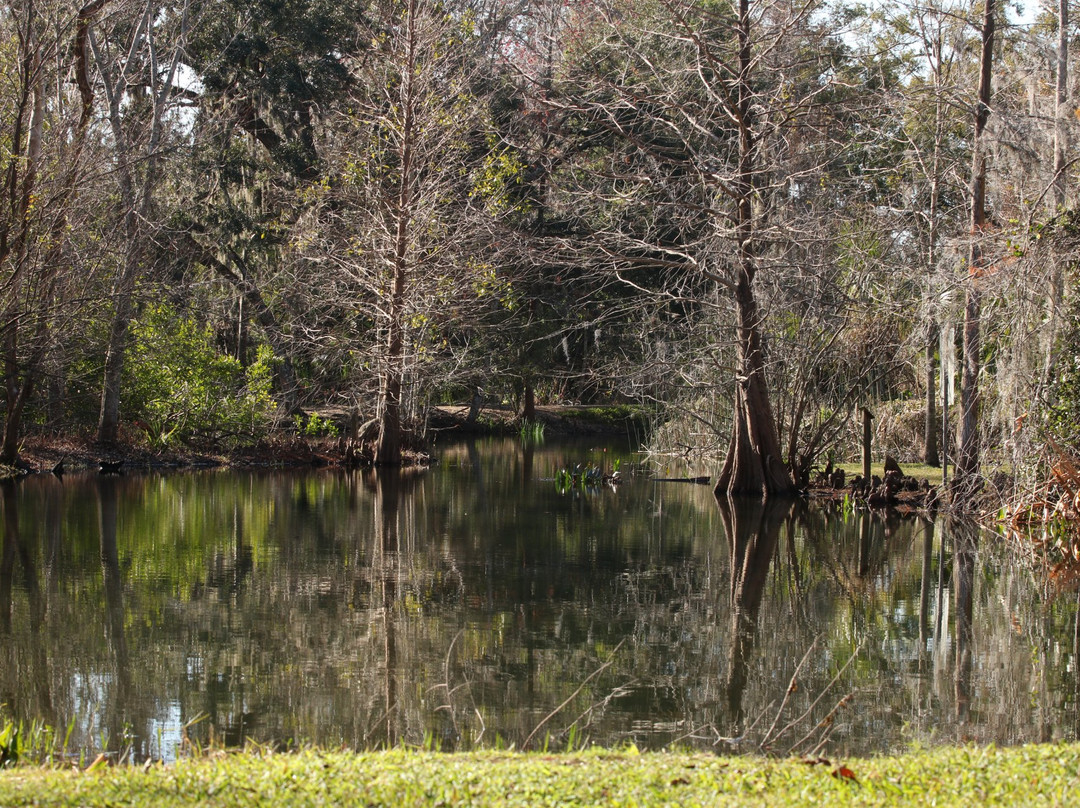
{"x": 388, "y": 450}
{"x": 754, "y": 463}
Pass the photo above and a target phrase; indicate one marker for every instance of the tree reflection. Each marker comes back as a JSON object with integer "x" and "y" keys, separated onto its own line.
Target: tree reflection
{"x": 7, "y": 558}
{"x": 753, "y": 530}
{"x": 926, "y": 584}
{"x": 373, "y": 609}
{"x": 229, "y": 571}
{"x": 964, "y": 546}
{"x": 15, "y": 547}
{"x": 114, "y": 612}
{"x": 390, "y": 485}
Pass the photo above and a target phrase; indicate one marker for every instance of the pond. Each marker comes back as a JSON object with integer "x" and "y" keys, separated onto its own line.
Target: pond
{"x": 475, "y": 604}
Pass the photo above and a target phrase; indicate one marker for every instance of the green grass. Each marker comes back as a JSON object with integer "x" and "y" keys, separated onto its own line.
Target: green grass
{"x": 916, "y": 470}
{"x": 615, "y": 413}
{"x": 1030, "y": 775}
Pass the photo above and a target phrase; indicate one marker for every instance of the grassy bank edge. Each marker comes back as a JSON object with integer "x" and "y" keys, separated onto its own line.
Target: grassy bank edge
{"x": 1026, "y": 775}
{"x": 920, "y": 471}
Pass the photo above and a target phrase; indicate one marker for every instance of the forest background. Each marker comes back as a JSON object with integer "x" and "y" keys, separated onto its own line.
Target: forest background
{"x": 752, "y": 218}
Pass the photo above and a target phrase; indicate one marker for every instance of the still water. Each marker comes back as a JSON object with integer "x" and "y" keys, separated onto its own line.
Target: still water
{"x": 476, "y": 605}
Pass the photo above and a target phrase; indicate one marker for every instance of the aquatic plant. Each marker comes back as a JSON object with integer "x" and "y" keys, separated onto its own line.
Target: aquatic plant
{"x": 532, "y": 431}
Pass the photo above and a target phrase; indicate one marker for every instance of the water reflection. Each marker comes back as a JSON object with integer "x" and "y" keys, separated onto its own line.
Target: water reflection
{"x": 30, "y": 655}
{"x": 118, "y": 697}
{"x": 964, "y": 545}
{"x": 475, "y": 604}
{"x": 753, "y": 532}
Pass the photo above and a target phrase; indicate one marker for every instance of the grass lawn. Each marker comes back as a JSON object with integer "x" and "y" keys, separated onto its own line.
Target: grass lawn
{"x": 1030, "y": 775}
{"x": 916, "y": 470}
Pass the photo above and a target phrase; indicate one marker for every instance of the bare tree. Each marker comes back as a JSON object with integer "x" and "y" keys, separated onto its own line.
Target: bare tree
{"x": 717, "y": 129}
{"x": 934, "y": 164}
{"x": 967, "y": 467}
{"x": 385, "y": 247}
{"x": 46, "y": 129}
{"x": 128, "y": 59}
{"x": 1056, "y": 293}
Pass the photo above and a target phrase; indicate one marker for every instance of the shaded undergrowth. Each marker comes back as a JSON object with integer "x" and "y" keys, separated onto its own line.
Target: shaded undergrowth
{"x": 1046, "y": 520}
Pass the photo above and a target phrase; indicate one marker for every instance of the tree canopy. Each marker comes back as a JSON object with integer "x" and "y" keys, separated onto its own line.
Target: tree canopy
{"x": 753, "y": 216}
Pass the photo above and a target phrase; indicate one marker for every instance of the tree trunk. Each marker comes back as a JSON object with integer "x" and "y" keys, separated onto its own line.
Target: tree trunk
{"x": 754, "y": 463}
{"x": 1061, "y": 111}
{"x": 115, "y": 87}
{"x": 19, "y": 381}
{"x": 388, "y": 451}
{"x": 474, "y": 406}
{"x": 109, "y": 417}
{"x": 138, "y": 206}
{"x": 528, "y": 406}
{"x": 930, "y": 442}
{"x": 1056, "y": 292}
{"x": 18, "y": 388}
{"x": 965, "y": 483}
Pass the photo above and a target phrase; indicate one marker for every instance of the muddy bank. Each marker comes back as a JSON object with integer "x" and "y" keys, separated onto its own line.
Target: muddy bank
{"x": 44, "y": 454}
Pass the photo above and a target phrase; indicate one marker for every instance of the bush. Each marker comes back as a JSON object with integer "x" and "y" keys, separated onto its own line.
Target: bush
{"x": 179, "y": 386}
{"x": 314, "y": 426}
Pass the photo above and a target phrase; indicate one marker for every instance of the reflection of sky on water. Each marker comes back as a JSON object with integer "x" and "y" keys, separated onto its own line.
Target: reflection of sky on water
{"x": 165, "y": 732}
{"x": 89, "y": 696}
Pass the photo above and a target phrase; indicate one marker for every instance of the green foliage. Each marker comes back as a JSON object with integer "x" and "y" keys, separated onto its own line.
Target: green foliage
{"x": 532, "y": 431}
{"x": 616, "y": 413}
{"x": 499, "y": 179}
{"x": 180, "y": 387}
{"x": 22, "y": 742}
{"x": 314, "y": 426}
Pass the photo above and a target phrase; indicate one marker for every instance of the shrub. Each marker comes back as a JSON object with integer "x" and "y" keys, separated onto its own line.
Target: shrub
{"x": 179, "y": 386}
{"x": 314, "y": 426}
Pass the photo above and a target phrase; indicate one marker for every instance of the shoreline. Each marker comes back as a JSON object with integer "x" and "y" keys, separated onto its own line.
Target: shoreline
{"x": 40, "y": 454}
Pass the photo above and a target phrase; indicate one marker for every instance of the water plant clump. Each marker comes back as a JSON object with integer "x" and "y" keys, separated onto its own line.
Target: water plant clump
{"x": 532, "y": 430}
{"x": 589, "y": 477}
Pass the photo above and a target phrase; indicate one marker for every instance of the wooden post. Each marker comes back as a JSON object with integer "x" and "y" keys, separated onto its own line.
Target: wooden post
{"x": 867, "y": 416}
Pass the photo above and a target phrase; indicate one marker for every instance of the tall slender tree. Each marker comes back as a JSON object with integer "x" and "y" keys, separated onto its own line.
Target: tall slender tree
{"x": 128, "y": 57}
{"x": 966, "y": 481}
{"x": 386, "y": 248}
